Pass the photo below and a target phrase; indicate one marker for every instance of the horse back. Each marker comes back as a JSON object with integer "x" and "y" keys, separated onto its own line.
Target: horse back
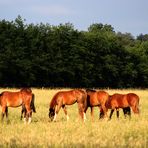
{"x": 102, "y": 96}
{"x": 68, "y": 97}
{"x": 96, "y": 98}
{"x": 117, "y": 101}
{"x": 73, "y": 96}
{"x": 122, "y": 100}
{"x": 13, "y": 99}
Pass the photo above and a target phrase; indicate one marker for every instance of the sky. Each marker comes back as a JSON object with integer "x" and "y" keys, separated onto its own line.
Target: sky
{"x": 129, "y": 16}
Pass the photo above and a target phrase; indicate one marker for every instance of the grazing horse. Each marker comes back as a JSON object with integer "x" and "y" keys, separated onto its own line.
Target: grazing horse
{"x": 32, "y": 106}
{"x": 123, "y": 101}
{"x": 63, "y": 98}
{"x": 16, "y": 99}
{"x": 96, "y": 98}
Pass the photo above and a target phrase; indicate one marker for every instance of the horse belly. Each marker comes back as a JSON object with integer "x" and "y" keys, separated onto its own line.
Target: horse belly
{"x": 123, "y": 103}
{"x": 69, "y": 101}
{"x": 14, "y": 103}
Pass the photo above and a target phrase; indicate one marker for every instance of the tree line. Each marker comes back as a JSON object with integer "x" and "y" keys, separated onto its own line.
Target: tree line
{"x": 42, "y": 55}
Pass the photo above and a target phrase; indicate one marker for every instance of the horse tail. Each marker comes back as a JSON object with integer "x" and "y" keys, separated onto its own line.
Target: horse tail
{"x": 133, "y": 100}
{"x": 32, "y": 103}
{"x": 137, "y": 105}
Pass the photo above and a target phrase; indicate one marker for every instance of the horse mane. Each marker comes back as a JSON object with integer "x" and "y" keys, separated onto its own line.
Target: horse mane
{"x": 25, "y": 89}
{"x": 92, "y": 90}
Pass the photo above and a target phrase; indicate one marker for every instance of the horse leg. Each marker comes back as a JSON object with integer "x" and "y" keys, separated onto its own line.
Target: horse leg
{"x": 117, "y": 111}
{"x": 85, "y": 109}
{"x": 137, "y": 108}
{"x": 23, "y": 112}
{"x": 101, "y": 113}
{"x": 57, "y": 109}
{"x": 3, "y": 113}
{"x": 111, "y": 113}
{"x": 81, "y": 110}
{"x": 65, "y": 111}
{"x": 84, "y": 116}
{"x": 92, "y": 113}
{"x": 6, "y": 111}
{"x": 104, "y": 111}
{"x": 28, "y": 113}
{"x": 127, "y": 112}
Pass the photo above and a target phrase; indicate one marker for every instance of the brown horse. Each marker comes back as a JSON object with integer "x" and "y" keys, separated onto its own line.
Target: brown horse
{"x": 96, "y": 98}
{"x": 123, "y": 101}
{"x": 15, "y": 99}
{"x": 63, "y": 98}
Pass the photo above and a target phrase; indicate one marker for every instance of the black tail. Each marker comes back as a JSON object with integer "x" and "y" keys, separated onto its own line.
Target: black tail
{"x": 32, "y": 103}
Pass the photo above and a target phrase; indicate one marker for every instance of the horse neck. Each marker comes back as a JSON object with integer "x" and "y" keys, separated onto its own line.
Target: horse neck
{"x": 1, "y": 97}
{"x": 53, "y": 102}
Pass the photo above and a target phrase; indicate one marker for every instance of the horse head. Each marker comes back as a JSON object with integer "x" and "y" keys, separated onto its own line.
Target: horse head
{"x": 51, "y": 113}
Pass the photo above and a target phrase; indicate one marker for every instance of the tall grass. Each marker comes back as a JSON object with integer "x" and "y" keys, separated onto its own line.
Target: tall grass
{"x": 74, "y": 133}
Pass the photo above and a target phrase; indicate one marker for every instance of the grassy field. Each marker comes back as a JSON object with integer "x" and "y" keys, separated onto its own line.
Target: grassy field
{"x": 74, "y": 133}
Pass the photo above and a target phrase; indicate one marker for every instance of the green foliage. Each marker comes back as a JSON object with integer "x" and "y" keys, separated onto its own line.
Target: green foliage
{"x": 61, "y": 56}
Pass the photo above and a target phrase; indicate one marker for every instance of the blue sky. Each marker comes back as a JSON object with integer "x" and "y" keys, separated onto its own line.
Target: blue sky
{"x": 124, "y": 15}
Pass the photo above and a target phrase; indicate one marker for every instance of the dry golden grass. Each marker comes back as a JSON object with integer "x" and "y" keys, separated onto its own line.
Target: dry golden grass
{"x": 42, "y": 133}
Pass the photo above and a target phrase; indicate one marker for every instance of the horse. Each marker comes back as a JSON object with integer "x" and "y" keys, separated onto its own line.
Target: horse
{"x": 63, "y": 98}
{"x": 96, "y": 98}
{"x": 124, "y": 101}
{"x": 32, "y": 106}
{"x": 15, "y": 99}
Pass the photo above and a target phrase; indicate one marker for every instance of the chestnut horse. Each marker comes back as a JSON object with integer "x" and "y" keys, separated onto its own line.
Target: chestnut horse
{"x": 123, "y": 101}
{"x": 15, "y": 99}
{"x": 63, "y": 98}
{"x": 96, "y": 98}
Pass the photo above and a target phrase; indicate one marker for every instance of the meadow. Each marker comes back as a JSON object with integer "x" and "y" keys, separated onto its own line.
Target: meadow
{"x": 75, "y": 133}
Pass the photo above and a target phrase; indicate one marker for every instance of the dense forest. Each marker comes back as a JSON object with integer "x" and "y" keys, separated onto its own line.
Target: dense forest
{"x": 42, "y": 55}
